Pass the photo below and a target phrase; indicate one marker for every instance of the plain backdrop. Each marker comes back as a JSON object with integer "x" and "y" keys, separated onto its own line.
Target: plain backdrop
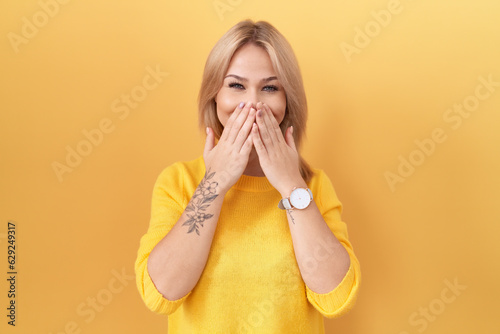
{"x": 97, "y": 97}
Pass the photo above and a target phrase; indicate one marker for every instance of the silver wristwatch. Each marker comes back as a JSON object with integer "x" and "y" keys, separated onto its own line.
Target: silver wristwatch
{"x": 300, "y": 198}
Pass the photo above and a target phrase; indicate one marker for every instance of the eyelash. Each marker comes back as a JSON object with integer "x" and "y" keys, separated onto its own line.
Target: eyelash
{"x": 236, "y": 84}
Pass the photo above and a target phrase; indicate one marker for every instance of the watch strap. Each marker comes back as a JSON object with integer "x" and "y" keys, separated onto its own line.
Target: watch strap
{"x": 310, "y": 193}
{"x": 284, "y": 204}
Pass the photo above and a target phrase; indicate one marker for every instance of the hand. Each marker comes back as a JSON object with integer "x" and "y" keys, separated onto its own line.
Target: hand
{"x": 278, "y": 156}
{"x": 229, "y": 158}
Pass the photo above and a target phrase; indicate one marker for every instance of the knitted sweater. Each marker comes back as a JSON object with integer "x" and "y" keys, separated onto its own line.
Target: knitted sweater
{"x": 251, "y": 282}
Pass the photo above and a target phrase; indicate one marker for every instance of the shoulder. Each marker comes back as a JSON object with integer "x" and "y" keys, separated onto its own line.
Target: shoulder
{"x": 318, "y": 179}
{"x": 322, "y": 188}
{"x": 182, "y": 171}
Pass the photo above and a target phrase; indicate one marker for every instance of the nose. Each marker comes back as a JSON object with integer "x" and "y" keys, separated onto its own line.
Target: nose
{"x": 254, "y": 97}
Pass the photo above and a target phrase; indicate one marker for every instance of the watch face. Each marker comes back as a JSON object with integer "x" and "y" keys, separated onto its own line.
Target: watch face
{"x": 300, "y": 198}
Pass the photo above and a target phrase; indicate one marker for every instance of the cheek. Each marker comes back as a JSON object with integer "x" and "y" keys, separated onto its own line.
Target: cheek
{"x": 226, "y": 105}
{"x": 278, "y": 108}
{"x": 279, "y": 114}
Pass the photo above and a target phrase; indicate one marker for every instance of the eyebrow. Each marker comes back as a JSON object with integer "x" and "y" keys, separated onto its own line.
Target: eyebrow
{"x": 245, "y": 79}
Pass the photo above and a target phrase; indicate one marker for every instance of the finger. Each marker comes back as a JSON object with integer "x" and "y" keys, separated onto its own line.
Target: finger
{"x": 238, "y": 123}
{"x": 266, "y": 116}
{"x": 209, "y": 141}
{"x": 244, "y": 132}
{"x": 230, "y": 121}
{"x": 229, "y": 124}
{"x": 247, "y": 146}
{"x": 274, "y": 127}
{"x": 258, "y": 143}
{"x": 289, "y": 138}
{"x": 265, "y": 134}
{"x": 259, "y": 105}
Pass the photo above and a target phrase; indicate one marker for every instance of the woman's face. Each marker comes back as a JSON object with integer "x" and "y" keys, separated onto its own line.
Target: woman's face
{"x": 250, "y": 77}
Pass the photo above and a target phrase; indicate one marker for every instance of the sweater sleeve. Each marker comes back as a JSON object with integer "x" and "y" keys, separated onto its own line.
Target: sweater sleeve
{"x": 342, "y": 298}
{"x": 167, "y": 207}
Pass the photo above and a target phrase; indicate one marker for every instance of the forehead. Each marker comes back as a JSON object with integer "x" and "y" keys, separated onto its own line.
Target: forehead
{"x": 251, "y": 61}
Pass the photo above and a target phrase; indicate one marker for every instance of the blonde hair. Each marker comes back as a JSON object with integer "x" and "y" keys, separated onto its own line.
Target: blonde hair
{"x": 285, "y": 65}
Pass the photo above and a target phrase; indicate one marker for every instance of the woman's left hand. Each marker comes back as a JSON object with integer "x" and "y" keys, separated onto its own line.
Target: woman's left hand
{"x": 278, "y": 156}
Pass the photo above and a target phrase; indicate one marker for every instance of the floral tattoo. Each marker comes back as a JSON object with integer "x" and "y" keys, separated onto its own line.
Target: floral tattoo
{"x": 203, "y": 196}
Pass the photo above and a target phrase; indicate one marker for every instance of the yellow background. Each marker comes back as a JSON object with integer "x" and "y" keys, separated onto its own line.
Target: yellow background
{"x": 440, "y": 225}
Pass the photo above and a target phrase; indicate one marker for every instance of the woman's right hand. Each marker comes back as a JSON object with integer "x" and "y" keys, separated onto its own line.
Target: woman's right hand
{"x": 229, "y": 158}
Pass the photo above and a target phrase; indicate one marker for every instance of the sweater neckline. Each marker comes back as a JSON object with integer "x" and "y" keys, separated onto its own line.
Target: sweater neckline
{"x": 253, "y": 183}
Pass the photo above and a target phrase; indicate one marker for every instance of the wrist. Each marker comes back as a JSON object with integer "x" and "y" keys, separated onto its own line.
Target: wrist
{"x": 287, "y": 188}
{"x": 226, "y": 181}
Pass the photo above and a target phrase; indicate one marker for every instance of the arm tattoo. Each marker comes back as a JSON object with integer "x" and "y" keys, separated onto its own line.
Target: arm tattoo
{"x": 291, "y": 217}
{"x": 203, "y": 196}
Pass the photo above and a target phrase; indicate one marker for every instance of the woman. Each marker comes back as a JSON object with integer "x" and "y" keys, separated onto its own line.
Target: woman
{"x": 248, "y": 238}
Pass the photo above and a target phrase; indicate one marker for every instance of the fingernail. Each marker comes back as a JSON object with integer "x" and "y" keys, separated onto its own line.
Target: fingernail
{"x": 259, "y": 113}
{"x": 291, "y": 128}
{"x": 241, "y": 105}
{"x": 206, "y": 130}
{"x": 252, "y": 109}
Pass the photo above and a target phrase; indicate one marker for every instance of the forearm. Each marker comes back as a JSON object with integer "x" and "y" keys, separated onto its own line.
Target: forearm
{"x": 323, "y": 261}
{"x": 176, "y": 263}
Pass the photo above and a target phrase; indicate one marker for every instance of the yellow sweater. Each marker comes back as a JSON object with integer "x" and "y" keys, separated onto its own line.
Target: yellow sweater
{"x": 251, "y": 282}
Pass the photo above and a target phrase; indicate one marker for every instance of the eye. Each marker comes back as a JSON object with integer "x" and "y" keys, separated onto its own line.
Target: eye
{"x": 270, "y": 88}
{"x": 236, "y": 85}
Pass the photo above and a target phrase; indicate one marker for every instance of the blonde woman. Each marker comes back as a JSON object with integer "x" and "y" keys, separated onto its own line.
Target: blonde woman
{"x": 248, "y": 238}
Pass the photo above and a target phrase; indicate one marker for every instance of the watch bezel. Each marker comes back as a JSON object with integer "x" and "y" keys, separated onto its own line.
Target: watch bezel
{"x": 303, "y": 202}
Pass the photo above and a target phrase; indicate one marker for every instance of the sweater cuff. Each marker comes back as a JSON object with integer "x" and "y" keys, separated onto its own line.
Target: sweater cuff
{"x": 338, "y": 301}
{"x": 155, "y": 301}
